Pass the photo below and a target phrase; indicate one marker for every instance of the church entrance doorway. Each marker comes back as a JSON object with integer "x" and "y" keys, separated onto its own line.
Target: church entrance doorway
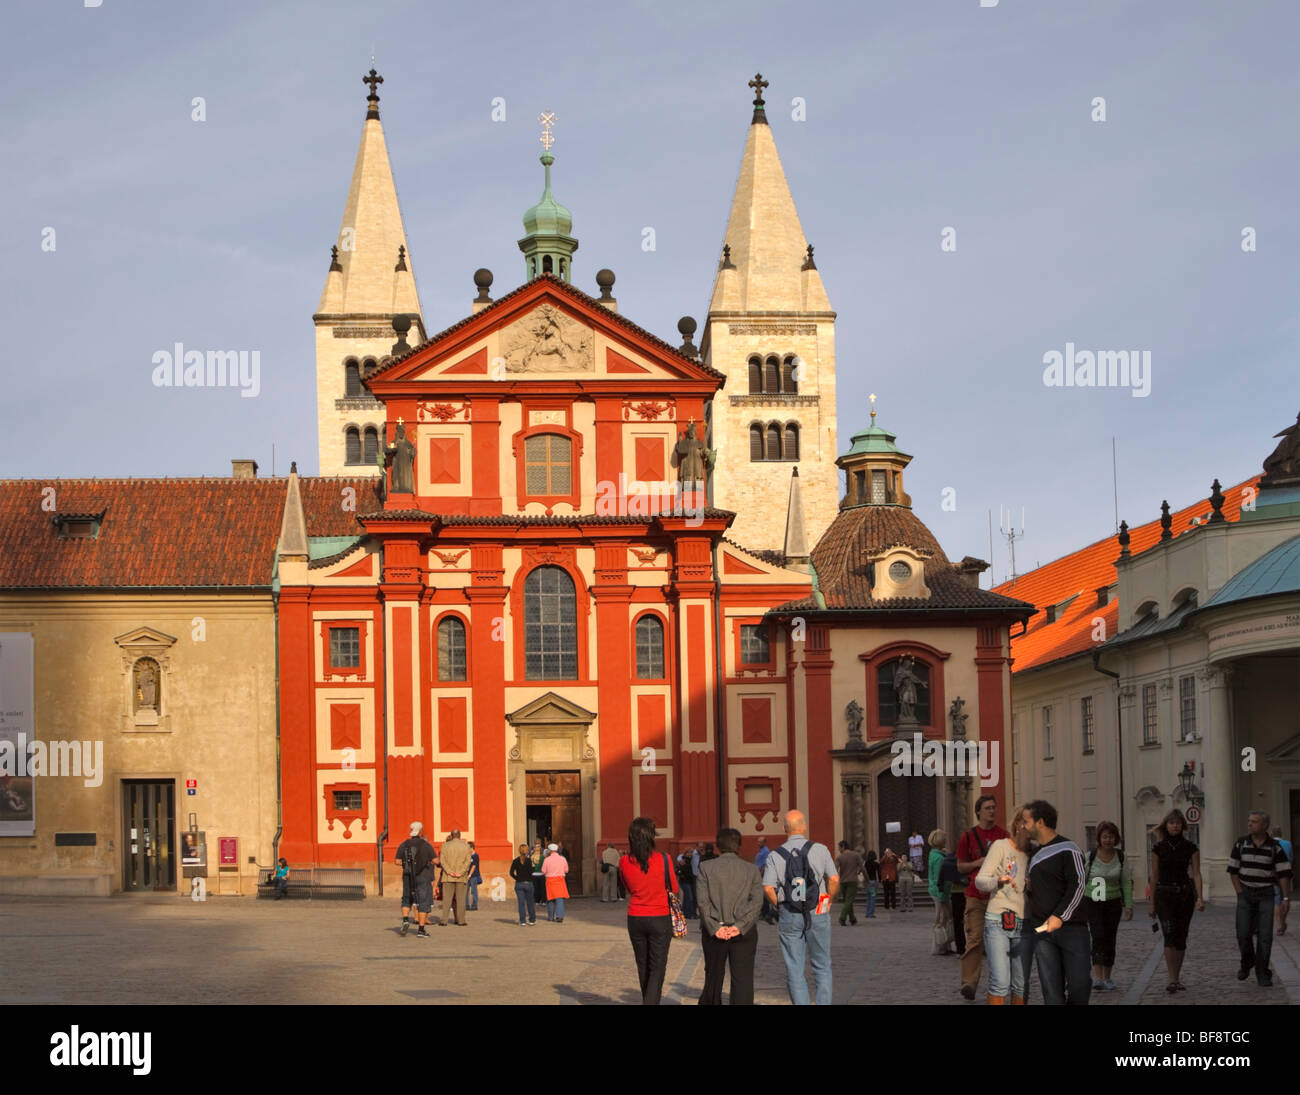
{"x": 148, "y": 835}
{"x": 554, "y": 814}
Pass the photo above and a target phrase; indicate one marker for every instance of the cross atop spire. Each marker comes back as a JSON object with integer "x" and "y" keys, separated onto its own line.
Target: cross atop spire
{"x": 374, "y": 80}
{"x": 758, "y": 83}
{"x": 547, "y": 118}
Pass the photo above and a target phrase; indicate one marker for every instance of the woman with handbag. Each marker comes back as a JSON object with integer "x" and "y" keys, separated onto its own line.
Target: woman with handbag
{"x": 651, "y": 893}
{"x": 941, "y": 892}
{"x": 554, "y": 868}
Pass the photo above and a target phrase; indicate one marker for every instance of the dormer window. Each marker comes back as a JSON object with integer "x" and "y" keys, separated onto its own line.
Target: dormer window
{"x": 77, "y": 526}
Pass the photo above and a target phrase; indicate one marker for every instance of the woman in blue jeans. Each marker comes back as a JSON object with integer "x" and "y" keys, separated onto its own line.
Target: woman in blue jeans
{"x": 1003, "y": 877}
{"x": 521, "y": 870}
{"x": 871, "y": 868}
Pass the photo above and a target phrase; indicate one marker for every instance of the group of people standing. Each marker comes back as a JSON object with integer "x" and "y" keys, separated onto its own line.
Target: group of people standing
{"x": 454, "y": 868}
{"x": 540, "y": 873}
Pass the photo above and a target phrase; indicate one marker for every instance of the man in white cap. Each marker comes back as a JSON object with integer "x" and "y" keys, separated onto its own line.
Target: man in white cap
{"x": 416, "y": 857}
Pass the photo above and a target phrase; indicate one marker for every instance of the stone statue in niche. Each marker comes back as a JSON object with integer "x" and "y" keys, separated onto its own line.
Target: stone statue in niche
{"x": 957, "y": 717}
{"x": 906, "y": 682}
{"x": 146, "y": 685}
{"x": 853, "y": 716}
{"x": 403, "y": 462}
{"x": 692, "y": 455}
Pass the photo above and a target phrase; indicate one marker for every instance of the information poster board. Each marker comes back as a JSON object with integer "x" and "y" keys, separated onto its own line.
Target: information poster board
{"x": 17, "y": 732}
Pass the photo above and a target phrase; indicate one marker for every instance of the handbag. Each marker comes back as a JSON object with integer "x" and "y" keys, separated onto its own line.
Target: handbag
{"x": 943, "y": 936}
{"x": 674, "y": 904}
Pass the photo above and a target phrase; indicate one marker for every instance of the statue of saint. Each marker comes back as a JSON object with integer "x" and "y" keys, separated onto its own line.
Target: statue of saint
{"x": 691, "y": 456}
{"x": 853, "y": 716}
{"x": 403, "y": 462}
{"x": 906, "y": 683}
{"x": 957, "y": 717}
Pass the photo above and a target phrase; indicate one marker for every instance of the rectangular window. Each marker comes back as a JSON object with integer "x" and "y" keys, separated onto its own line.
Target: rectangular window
{"x": 345, "y": 647}
{"x": 754, "y": 645}
{"x": 347, "y": 800}
{"x": 1087, "y": 724}
{"x": 1047, "y": 733}
{"x": 1149, "y": 727}
{"x": 548, "y": 464}
{"x": 878, "y": 487}
{"x": 1187, "y": 707}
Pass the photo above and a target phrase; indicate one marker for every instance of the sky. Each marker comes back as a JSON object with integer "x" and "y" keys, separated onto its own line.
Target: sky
{"x": 1116, "y": 176}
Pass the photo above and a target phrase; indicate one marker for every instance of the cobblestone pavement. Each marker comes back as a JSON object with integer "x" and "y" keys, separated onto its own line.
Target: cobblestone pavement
{"x": 240, "y": 950}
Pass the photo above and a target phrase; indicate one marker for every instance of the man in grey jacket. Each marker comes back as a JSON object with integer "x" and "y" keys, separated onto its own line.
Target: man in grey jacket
{"x": 730, "y": 895}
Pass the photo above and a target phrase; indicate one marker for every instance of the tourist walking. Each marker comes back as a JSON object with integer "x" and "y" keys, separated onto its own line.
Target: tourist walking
{"x": 941, "y": 892}
{"x": 871, "y": 871}
{"x": 800, "y": 880}
{"x": 889, "y": 874}
{"x": 1055, "y": 906}
{"x": 906, "y": 880}
{"x": 972, "y": 847}
{"x": 1003, "y": 877}
{"x": 1175, "y": 890}
{"x": 554, "y": 868}
{"x": 649, "y": 878}
{"x": 1257, "y": 864}
{"x": 609, "y": 874}
{"x": 521, "y": 870}
{"x": 731, "y": 898}
{"x": 1279, "y": 908}
{"x": 418, "y": 861}
{"x": 1108, "y": 895}
{"x": 475, "y": 878}
{"x": 848, "y": 865}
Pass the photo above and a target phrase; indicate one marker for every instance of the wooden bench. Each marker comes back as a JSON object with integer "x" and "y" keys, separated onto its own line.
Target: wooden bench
{"x": 299, "y": 883}
{"x": 324, "y": 883}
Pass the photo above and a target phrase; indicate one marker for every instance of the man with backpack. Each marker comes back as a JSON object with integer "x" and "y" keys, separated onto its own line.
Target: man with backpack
{"x": 416, "y": 857}
{"x": 972, "y": 847}
{"x": 800, "y": 879}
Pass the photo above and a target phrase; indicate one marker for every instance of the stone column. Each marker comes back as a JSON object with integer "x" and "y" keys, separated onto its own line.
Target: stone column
{"x": 1220, "y": 824}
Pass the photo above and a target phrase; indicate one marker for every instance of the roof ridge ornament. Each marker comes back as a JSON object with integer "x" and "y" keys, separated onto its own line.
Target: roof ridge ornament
{"x": 374, "y": 80}
{"x": 758, "y": 84}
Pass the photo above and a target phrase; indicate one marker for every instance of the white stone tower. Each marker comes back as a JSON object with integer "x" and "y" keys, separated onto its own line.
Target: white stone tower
{"x": 370, "y": 282}
{"x": 771, "y": 330}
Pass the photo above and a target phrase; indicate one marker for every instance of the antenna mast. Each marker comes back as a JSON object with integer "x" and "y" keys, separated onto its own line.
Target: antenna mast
{"x": 1007, "y": 526}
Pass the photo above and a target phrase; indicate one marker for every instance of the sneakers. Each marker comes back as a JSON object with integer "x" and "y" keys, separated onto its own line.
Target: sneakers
{"x": 1098, "y": 985}
{"x": 1108, "y": 984}
{"x": 422, "y": 934}
{"x": 406, "y": 927}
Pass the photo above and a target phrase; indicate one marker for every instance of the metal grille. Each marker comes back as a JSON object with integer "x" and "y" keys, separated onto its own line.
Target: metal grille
{"x": 754, "y": 648}
{"x": 649, "y": 648}
{"x": 345, "y": 647}
{"x": 550, "y": 626}
{"x": 548, "y": 464}
{"x": 1187, "y": 706}
{"x": 451, "y": 650}
{"x": 1087, "y": 721}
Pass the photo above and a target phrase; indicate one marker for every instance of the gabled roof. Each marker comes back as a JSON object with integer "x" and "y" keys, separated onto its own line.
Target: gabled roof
{"x": 1084, "y": 572}
{"x": 162, "y": 533}
{"x": 516, "y": 303}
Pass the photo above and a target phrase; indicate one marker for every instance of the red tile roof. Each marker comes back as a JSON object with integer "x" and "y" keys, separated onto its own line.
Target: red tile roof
{"x": 1083, "y": 572}
{"x": 162, "y": 533}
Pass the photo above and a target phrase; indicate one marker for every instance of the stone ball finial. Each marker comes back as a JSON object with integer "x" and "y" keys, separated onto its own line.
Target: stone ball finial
{"x": 483, "y": 282}
{"x": 401, "y": 323}
{"x": 605, "y": 279}
{"x": 686, "y": 327}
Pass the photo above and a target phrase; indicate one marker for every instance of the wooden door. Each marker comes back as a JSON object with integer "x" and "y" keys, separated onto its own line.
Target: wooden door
{"x": 562, "y": 792}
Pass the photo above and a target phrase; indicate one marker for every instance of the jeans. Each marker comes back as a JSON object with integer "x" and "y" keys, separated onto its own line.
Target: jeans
{"x": 1004, "y": 950}
{"x": 1255, "y": 917}
{"x": 688, "y": 899}
{"x": 281, "y": 887}
{"x": 849, "y": 891}
{"x": 815, "y": 945}
{"x": 871, "y": 899}
{"x": 524, "y": 896}
{"x": 650, "y": 937}
{"x": 472, "y": 904}
{"x": 1064, "y": 972}
{"x": 555, "y": 909}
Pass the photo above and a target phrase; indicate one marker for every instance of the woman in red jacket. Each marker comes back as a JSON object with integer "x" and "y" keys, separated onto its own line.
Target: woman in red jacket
{"x": 648, "y": 875}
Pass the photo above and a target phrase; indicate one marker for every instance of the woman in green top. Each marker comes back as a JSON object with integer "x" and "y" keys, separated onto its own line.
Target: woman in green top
{"x": 942, "y": 894}
{"x": 1108, "y": 888}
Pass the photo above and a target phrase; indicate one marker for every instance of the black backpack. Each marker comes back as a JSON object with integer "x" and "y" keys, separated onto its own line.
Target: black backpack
{"x": 802, "y": 887}
{"x": 948, "y": 867}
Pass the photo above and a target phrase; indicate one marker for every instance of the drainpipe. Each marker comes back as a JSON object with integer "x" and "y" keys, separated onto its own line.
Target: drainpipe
{"x": 279, "y": 797}
{"x": 719, "y": 698}
{"x": 1119, "y": 729}
{"x": 382, "y": 683}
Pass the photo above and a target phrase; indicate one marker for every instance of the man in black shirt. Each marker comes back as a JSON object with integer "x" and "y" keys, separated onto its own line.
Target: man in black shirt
{"x": 417, "y": 859}
{"x": 1055, "y": 920}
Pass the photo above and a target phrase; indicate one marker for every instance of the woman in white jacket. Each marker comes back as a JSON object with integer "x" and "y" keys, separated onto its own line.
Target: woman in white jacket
{"x": 1003, "y": 876}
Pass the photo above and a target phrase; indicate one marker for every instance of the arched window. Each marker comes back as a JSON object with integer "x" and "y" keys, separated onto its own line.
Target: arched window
{"x": 548, "y": 465}
{"x": 550, "y": 626}
{"x": 370, "y": 452}
{"x": 788, "y": 382}
{"x": 790, "y": 450}
{"x": 888, "y": 698}
{"x": 772, "y": 375}
{"x": 352, "y": 445}
{"x": 756, "y": 442}
{"x": 774, "y": 441}
{"x": 451, "y": 649}
{"x": 351, "y": 379}
{"x": 368, "y": 366}
{"x": 755, "y": 375}
{"x": 546, "y": 264}
{"x": 649, "y": 648}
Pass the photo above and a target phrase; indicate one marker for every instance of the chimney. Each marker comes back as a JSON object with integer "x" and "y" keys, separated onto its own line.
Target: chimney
{"x": 970, "y": 569}
{"x": 243, "y": 469}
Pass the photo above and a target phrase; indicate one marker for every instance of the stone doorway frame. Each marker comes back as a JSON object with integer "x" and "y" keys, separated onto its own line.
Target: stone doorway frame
{"x": 552, "y": 733}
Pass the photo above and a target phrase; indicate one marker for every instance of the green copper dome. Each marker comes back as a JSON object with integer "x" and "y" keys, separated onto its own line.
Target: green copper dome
{"x": 548, "y": 248}
{"x": 874, "y": 440}
{"x": 548, "y": 217}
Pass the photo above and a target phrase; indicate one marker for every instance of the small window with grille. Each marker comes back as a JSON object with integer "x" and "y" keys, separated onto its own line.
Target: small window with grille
{"x": 548, "y": 465}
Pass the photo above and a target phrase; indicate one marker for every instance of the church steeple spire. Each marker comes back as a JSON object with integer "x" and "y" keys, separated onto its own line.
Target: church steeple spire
{"x": 548, "y": 248}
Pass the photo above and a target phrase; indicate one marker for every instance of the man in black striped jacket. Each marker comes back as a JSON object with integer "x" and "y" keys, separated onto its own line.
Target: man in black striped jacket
{"x": 1256, "y": 864}
{"x": 1055, "y": 919}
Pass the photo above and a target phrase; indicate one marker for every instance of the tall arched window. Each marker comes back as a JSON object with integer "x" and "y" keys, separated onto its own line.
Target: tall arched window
{"x": 370, "y": 452}
{"x": 755, "y": 375}
{"x": 351, "y": 378}
{"x": 790, "y": 450}
{"x": 888, "y": 699}
{"x": 368, "y": 366}
{"x": 352, "y": 445}
{"x": 451, "y": 649}
{"x": 756, "y": 442}
{"x": 774, "y": 441}
{"x": 788, "y": 382}
{"x": 550, "y": 626}
{"x": 548, "y": 464}
{"x": 772, "y": 374}
{"x": 649, "y": 648}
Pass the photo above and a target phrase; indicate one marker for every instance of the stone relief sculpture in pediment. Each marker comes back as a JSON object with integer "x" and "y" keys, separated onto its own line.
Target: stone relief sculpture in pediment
{"x": 547, "y": 341}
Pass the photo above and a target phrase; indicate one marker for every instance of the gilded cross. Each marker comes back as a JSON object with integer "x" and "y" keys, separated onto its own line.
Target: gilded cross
{"x": 758, "y": 83}
{"x": 872, "y": 397}
{"x": 547, "y": 118}
{"x": 374, "y": 80}
{"x": 400, "y": 420}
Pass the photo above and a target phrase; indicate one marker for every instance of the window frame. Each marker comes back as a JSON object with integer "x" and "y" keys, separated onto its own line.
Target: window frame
{"x": 577, "y": 631}
{"x": 448, "y": 618}
{"x": 1186, "y": 705}
{"x": 636, "y": 647}
{"x": 1046, "y": 723}
{"x": 327, "y": 628}
{"x": 1150, "y": 714}
{"x": 519, "y": 445}
{"x": 1088, "y": 723}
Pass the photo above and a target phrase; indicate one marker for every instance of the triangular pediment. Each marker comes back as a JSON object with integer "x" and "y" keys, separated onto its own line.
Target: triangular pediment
{"x": 545, "y": 330}
{"x": 1288, "y": 750}
{"x": 145, "y": 638}
{"x": 551, "y": 708}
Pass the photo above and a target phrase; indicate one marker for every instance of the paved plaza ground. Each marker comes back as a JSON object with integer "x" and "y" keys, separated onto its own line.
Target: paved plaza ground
{"x": 228, "y": 950}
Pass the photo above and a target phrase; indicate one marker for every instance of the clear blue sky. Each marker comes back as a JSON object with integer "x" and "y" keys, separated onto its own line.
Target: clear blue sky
{"x": 1123, "y": 234}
